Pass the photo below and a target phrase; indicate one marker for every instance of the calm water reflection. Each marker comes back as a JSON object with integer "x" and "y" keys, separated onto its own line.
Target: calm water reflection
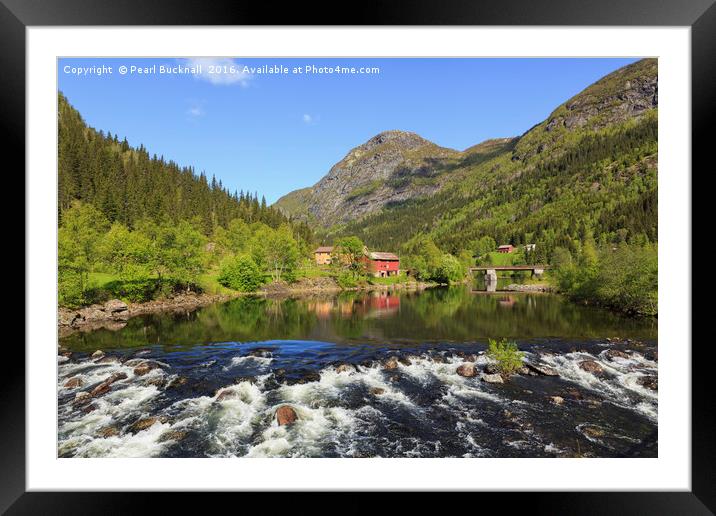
{"x": 436, "y": 315}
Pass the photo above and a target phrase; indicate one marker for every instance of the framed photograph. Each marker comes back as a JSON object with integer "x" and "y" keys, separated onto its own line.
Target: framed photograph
{"x": 442, "y": 250}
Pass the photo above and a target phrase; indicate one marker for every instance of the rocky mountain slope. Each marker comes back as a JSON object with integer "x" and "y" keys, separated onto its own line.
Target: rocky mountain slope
{"x": 601, "y": 142}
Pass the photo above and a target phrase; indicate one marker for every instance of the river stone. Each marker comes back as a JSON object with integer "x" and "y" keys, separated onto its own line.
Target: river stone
{"x": 405, "y": 361}
{"x": 391, "y": 363}
{"x": 145, "y": 423}
{"x": 591, "y": 367}
{"x": 82, "y": 397}
{"x": 345, "y": 368}
{"x": 377, "y": 391}
{"x": 177, "y": 382}
{"x": 285, "y": 415}
{"x": 650, "y": 382}
{"x": 144, "y": 368}
{"x": 557, "y": 400}
{"x": 108, "y": 431}
{"x": 115, "y": 305}
{"x": 467, "y": 370}
{"x": 227, "y": 394}
{"x": 542, "y": 369}
{"x": 173, "y": 435}
{"x": 492, "y": 378}
{"x": 74, "y": 382}
{"x": 611, "y": 354}
{"x": 98, "y": 354}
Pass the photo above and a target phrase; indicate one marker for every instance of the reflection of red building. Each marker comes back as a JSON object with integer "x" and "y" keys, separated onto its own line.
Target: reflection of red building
{"x": 383, "y": 264}
{"x": 507, "y": 301}
{"x": 384, "y": 303}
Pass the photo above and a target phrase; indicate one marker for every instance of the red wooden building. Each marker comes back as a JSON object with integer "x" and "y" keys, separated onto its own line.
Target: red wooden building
{"x": 381, "y": 265}
{"x": 505, "y": 248}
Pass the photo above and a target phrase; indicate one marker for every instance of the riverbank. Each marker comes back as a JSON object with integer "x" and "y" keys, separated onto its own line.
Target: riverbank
{"x": 114, "y": 314}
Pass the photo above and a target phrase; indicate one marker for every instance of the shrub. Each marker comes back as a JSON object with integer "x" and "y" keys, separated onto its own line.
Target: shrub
{"x": 347, "y": 280}
{"x": 241, "y": 273}
{"x": 508, "y": 357}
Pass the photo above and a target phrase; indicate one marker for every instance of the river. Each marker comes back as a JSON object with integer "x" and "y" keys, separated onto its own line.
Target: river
{"x": 208, "y": 383}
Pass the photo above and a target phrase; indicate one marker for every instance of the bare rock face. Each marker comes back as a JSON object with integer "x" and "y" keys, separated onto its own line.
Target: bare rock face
{"x": 370, "y": 176}
{"x": 467, "y": 370}
{"x": 285, "y": 415}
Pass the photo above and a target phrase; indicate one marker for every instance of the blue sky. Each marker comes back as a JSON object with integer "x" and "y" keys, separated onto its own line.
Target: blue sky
{"x": 273, "y": 133}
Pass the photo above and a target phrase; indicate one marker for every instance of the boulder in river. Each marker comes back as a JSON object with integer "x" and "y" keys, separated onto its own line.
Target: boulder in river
{"x": 377, "y": 391}
{"x": 591, "y": 367}
{"x": 611, "y": 354}
{"x": 650, "y": 382}
{"x": 541, "y": 369}
{"x": 74, "y": 382}
{"x": 145, "y": 367}
{"x": 492, "y": 378}
{"x": 285, "y": 415}
{"x": 344, "y": 368}
{"x": 390, "y": 364}
{"x": 98, "y": 354}
{"x": 81, "y": 398}
{"x": 177, "y": 382}
{"x": 108, "y": 431}
{"x": 145, "y": 423}
{"x": 173, "y": 435}
{"x": 405, "y": 361}
{"x": 467, "y": 370}
{"x": 556, "y": 400}
{"x": 226, "y": 394}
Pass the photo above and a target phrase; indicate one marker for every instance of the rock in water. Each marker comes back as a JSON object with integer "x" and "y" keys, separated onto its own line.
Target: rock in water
{"x": 591, "y": 367}
{"x": 391, "y": 363}
{"x": 344, "y": 368}
{"x": 611, "y": 354}
{"x": 467, "y": 370}
{"x": 98, "y": 354}
{"x": 542, "y": 369}
{"x": 492, "y": 378}
{"x": 377, "y": 391}
{"x": 650, "y": 382}
{"x": 285, "y": 415}
{"x": 73, "y": 382}
{"x": 557, "y": 400}
{"x": 144, "y": 368}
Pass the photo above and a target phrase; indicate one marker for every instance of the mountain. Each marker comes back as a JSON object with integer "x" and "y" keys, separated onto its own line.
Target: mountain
{"x": 588, "y": 170}
{"x": 392, "y": 166}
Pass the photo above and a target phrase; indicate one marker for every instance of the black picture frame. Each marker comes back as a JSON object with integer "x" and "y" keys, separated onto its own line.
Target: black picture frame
{"x": 700, "y": 15}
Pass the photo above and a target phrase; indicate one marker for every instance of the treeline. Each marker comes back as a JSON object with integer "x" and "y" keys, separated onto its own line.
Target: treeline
{"x": 127, "y": 185}
{"x": 156, "y": 258}
{"x": 624, "y": 277}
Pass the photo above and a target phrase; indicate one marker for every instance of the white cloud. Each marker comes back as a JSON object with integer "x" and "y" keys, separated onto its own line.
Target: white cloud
{"x": 219, "y": 70}
{"x": 310, "y": 119}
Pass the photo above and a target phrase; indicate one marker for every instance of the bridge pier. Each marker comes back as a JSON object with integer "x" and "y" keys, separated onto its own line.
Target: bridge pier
{"x": 491, "y": 280}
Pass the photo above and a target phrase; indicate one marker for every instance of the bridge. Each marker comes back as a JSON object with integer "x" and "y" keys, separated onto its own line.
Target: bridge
{"x": 491, "y": 272}
{"x": 536, "y": 269}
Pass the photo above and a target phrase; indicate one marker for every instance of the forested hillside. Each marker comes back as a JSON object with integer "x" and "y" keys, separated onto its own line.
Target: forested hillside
{"x": 127, "y": 184}
{"x": 588, "y": 171}
{"x": 138, "y": 227}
